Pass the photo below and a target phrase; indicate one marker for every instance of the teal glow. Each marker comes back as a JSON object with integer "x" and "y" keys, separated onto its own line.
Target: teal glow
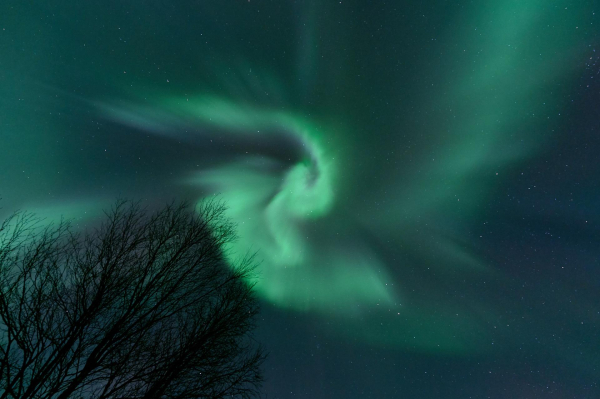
{"x": 291, "y": 220}
{"x": 273, "y": 212}
{"x": 368, "y": 163}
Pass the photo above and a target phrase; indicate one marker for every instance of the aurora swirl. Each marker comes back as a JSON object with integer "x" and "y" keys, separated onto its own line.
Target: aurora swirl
{"x": 378, "y": 161}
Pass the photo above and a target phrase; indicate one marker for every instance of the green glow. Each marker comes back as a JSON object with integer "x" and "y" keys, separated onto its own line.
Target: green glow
{"x": 495, "y": 107}
{"x": 485, "y": 123}
{"x": 333, "y": 237}
{"x": 272, "y": 213}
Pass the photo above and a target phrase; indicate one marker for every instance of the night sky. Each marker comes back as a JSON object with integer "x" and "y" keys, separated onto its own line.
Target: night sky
{"x": 419, "y": 179}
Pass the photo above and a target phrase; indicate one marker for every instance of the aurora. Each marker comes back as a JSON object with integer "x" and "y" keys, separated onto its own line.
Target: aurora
{"x": 416, "y": 182}
{"x": 275, "y": 202}
{"x": 286, "y": 202}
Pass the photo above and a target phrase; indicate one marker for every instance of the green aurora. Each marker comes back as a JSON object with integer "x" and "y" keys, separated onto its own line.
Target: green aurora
{"x": 331, "y": 240}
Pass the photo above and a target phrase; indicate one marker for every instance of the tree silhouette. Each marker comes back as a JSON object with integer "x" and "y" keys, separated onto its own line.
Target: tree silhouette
{"x": 141, "y": 307}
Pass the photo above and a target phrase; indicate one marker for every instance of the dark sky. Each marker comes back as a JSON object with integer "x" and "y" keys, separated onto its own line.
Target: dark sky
{"x": 419, "y": 178}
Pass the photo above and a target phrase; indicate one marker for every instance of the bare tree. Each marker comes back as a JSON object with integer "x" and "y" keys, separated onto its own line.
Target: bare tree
{"x": 141, "y": 307}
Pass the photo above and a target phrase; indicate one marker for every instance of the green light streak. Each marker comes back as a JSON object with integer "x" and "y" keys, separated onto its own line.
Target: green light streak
{"x": 493, "y": 106}
{"x": 273, "y": 213}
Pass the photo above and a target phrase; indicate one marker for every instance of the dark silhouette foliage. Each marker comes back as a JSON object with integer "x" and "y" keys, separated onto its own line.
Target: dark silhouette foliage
{"x": 144, "y": 306}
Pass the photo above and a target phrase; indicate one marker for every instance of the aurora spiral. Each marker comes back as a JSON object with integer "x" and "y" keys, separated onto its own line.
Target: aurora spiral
{"x": 417, "y": 179}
